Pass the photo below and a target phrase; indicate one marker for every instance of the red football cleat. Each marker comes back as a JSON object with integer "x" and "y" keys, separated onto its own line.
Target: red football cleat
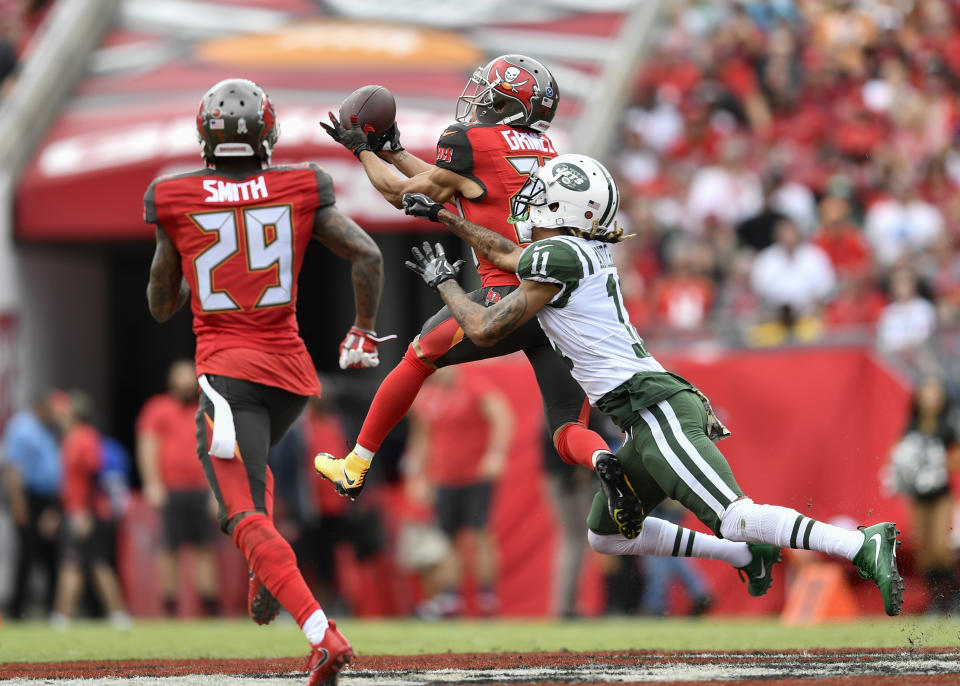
{"x": 261, "y": 605}
{"x": 328, "y": 657}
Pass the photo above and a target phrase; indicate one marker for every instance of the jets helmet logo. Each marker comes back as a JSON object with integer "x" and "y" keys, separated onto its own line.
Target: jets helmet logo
{"x": 513, "y": 81}
{"x": 570, "y": 176}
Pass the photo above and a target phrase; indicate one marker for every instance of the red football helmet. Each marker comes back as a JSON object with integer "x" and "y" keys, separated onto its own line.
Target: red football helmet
{"x": 512, "y": 89}
{"x": 236, "y": 119}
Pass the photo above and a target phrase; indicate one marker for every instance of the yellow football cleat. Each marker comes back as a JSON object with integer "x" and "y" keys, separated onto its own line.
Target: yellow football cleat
{"x": 346, "y": 473}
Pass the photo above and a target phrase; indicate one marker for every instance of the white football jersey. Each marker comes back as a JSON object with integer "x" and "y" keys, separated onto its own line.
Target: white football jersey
{"x": 587, "y": 321}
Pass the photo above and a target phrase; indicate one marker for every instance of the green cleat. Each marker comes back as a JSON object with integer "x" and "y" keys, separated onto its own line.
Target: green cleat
{"x": 759, "y": 571}
{"x": 877, "y": 560}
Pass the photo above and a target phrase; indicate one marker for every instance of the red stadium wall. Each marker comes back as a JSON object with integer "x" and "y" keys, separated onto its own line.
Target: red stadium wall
{"x": 811, "y": 430}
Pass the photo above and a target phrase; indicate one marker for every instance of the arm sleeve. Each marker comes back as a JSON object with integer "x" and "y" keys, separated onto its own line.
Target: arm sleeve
{"x": 553, "y": 262}
{"x": 150, "y": 205}
{"x": 324, "y": 187}
{"x": 147, "y": 420}
{"x": 455, "y": 151}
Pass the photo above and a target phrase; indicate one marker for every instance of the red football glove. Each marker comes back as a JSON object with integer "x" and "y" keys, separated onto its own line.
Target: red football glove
{"x": 359, "y": 349}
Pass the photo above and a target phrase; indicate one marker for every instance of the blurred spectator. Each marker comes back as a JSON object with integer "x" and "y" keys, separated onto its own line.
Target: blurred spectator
{"x": 756, "y": 231}
{"x": 909, "y": 320}
{"x": 660, "y": 572}
{"x": 460, "y": 434}
{"x": 902, "y": 224}
{"x": 857, "y": 305}
{"x": 173, "y": 482}
{"x": 32, "y": 474}
{"x": 728, "y": 192}
{"x": 842, "y": 240}
{"x": 793, "y": 279}
{"x": 89, "y": 533}
{"x": 921, "y": 463}
{"x": 683, "y": 296}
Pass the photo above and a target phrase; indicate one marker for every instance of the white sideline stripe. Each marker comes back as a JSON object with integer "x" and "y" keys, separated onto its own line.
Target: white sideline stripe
{"x": 694, "y": 454}
{"x": 224, "y": 431}
{"x": 677, "y": 466}
{"x": 729, "y": 667}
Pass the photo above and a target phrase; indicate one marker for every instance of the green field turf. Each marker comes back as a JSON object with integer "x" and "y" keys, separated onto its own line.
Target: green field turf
{"x": 37, "y": 642}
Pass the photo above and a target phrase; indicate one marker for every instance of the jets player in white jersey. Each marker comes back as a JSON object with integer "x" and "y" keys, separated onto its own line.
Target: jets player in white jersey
{"x": 569, "y": 282}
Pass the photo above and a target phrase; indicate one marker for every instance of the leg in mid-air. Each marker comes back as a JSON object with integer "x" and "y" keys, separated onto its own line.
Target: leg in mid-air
{"x": 441, "y": 343}
{"x": 256, "y": 416}
{"x": 567, "y": 414}
{"x": 669, "y": 445}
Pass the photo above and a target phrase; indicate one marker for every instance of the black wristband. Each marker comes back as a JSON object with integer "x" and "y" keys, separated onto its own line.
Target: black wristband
{"x": 434, "y": 212}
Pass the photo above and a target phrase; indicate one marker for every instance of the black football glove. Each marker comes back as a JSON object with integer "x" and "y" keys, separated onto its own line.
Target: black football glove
{"x": 388, "y": 140}
{"x": 432, "y": 267}
{"x": 354, "y": 140}
{"x": 420, "y": 205}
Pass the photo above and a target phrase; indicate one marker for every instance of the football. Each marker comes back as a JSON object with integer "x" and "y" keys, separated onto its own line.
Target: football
{"x": 371, "y": 107}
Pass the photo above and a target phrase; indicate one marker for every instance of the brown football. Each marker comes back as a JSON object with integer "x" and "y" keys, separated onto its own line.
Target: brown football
{"x": 372, "y": 107}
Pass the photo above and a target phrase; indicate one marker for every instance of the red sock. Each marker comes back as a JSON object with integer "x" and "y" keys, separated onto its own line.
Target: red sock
{"x": 393, "y": 399}
{"x": 576, "y": 444}
{"x": 272, "y": 560}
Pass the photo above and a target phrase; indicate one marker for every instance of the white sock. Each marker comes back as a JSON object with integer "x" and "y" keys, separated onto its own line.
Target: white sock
{"x": 363, "y": 453}
{"x": 661, "y": 538}
{"x": 596, "y": 454}
{"x": 744, "y": 520}
{"x": 315, "y": 627}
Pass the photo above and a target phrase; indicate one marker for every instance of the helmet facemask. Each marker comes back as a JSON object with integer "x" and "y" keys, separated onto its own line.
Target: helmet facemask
{"x": 476, "y": 94}
{"x": 533, "y": 193}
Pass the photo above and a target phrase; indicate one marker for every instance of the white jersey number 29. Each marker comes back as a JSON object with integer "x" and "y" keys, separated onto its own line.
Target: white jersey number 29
{"x": 262, "y": 252}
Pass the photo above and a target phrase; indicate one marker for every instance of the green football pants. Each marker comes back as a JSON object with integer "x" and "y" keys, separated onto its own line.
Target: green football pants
{"x": 667, "y": 453}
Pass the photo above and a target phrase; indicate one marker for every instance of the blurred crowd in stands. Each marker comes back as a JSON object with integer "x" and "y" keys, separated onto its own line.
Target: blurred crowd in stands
{"x": 792, "y": 172}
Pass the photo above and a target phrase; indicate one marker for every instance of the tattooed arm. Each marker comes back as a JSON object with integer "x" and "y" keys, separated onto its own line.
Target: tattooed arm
{"x": 407, "y": 163}
{"x": 345, "y": 239}
{"x": 167, "y": 290}
{"x": 485, "y": 326}
{"x": 499, "y": 251}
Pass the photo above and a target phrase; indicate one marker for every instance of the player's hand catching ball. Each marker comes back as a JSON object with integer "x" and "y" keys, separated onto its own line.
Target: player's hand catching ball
{"x": 354, "y": 139}
{"x": 389, "y": 140}
{"x": 420, "y": 205}
{"x": 359, "y": 349}
{"x": 432, "y": 266}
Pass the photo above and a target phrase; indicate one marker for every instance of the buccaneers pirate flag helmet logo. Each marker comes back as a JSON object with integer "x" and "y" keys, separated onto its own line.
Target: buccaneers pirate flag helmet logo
{"x": 512, "y": 89}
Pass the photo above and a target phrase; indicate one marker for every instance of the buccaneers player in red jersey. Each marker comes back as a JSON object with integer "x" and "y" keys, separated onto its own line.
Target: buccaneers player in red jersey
{"x": 231, "y": 237}
{"x": 482, "y": 162}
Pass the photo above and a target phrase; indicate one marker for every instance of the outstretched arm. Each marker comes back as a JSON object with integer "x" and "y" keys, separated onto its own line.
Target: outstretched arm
{"x": 499, "y": 251}
{"x": 439, "y": 184}
{"x": 167, "y": 290}
{"x": 407, "y": 163}
{"x": 485, "y": 326}
{"x": 345, "y": 239}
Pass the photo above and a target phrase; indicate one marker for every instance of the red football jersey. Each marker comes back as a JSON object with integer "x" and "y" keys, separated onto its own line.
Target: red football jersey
{"x": 498, "y": 157}
{"x": 241, "y": 241}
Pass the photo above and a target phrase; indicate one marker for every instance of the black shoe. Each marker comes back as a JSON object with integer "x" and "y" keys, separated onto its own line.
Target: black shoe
{"x": 622, "y": 502}
{"x": 701, "y": 605}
